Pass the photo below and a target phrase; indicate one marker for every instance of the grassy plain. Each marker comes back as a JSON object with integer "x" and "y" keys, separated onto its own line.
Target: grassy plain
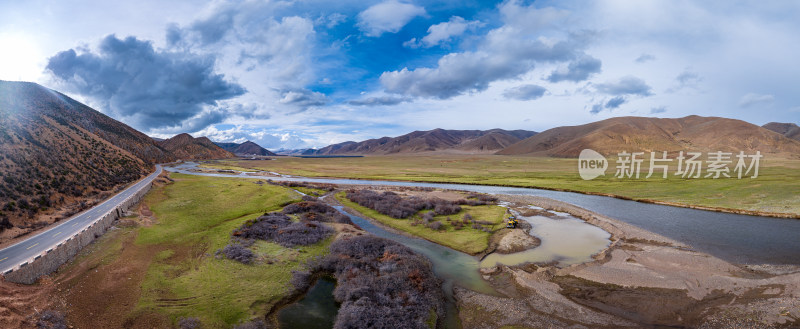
{"x": 775, "y": 190}
{"x": 467, "y": 239}
{"x": 195, "y": 218}
{"x": 171, "y": 264}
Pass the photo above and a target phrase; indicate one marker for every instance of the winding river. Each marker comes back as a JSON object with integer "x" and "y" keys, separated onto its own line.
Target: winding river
{"x": 736, "y": 238}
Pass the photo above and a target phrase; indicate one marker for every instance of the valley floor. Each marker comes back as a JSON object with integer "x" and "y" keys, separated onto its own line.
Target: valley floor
{"x": 772, "y": 193}
{"x": 157, "y": 266}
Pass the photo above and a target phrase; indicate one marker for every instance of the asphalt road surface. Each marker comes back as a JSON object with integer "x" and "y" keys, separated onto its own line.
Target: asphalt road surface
{"x": 27, "y": 250}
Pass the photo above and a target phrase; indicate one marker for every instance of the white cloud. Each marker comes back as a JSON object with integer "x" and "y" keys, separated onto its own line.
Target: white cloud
{"x": 628, "y": 85}
{"x": 506, "y": 52}
{"x": 525, "y": 92}
{"x": 751, "y": 99}
{"x": 444, "y": 32}
{"x": 388, "y": 16}
{"x": 269, "y": 54}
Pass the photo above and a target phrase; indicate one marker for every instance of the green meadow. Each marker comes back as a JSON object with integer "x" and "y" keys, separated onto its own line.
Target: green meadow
{"x": 774, "y": 190}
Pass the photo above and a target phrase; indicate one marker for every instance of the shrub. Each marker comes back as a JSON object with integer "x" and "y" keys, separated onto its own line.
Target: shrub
{"x": 382, "y": 284}
{"x": 446, "y": 208}
{"x": 428, "y": 216}
{"x": 487, "y": 198}
{"x": 264, "y": 227}
{"x": 255, "y": 324}
{"x": 437, "y": 225}
{"x": 278, "y": 227}
{"x": 189, "y": 323}
{"x": 302, "y": 233}
{"x": 238, "y": 253}
{"x": 467, "y": 218}
{"x": 316, "y": 211}
{"x": 300, "y": 280}
{"x": 319, "y": 186}
{"x": 5, "y": 224}
{"x": 51, "y": 319}
{"x": 393, "y": 205}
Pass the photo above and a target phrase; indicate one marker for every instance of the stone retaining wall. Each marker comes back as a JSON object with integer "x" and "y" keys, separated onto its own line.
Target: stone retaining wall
{"x": 52, "y": 259}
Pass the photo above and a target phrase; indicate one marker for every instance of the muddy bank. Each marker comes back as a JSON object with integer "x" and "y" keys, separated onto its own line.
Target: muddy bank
{"x": 516, "y": 240}
{"x": 641, "y": 280}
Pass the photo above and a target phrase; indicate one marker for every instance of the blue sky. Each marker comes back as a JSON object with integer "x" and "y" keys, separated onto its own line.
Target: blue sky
{"x": 292, "y": 74}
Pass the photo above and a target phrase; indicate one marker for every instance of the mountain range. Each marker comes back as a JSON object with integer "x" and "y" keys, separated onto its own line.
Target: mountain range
{"x": 691, "y": 133}
{"x": 245, "y": 149}
{"x": 431, "y": 141}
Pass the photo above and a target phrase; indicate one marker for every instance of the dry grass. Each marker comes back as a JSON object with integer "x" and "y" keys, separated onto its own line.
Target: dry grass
{"x": 775, "y": 190}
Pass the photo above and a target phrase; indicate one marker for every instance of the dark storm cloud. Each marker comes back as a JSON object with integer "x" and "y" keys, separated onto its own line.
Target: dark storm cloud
{"x": 576, "y": 71}
{"x": 378, "y": 101}
{"x": 525, "y": 92}
{"x": 625, "y": 86}
{"x": 155, "y": 89}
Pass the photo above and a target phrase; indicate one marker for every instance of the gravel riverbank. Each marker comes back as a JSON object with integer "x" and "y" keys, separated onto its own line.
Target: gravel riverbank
{"x": 641, "y": 279}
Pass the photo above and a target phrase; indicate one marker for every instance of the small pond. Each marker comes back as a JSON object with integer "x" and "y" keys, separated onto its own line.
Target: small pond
{"x": 316, "y": 310}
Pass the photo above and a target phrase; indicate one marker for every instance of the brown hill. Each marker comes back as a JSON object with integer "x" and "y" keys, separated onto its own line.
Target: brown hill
{"x": 789, "y": 130}
{"x": 55, "y": 151}
{"x": 186, "y": 147}
{"x": 692, "y": 133}
{"x": 246, "y": 148}
{"x": 437, "y": 140}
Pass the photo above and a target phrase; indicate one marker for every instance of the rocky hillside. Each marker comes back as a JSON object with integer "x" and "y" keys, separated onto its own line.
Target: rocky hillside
{"x": 691, "y": 133}
{"x": 58, "y": 156}
{"x": 55, "y": 151}
{"x": 246, "y": 148}
{"x": 789, "y": 130}
{"x": 186, "y": 147}
{"x": 431, "y": 141}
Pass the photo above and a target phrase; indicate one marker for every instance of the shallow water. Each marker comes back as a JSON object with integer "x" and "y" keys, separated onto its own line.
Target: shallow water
{"x": 448, "y": 264}
{"x": 732, "y": 237}
{"x": 451, "y": 266}
{"x": 316, "y": 310}
{"x": 565, "y": 240}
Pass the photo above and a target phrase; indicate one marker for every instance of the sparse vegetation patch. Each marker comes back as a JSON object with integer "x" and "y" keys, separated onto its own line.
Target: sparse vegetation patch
{"x": 382, "y": 284}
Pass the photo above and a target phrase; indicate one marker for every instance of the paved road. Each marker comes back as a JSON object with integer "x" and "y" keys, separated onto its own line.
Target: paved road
{"x": 27, "y": 250}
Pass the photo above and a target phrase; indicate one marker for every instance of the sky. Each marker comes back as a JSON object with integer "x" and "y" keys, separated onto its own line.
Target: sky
{"x": 307, "y": 73}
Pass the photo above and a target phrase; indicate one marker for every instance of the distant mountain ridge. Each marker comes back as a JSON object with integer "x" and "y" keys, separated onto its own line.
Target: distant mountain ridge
{"x": 789, "y": 130}
{"x": 283, "y": 151}
{"x": 246, "y": 148}
{"x": 431, "y": 141}
{"x": 691, "y": 133}
{"x": 186, "y": 147}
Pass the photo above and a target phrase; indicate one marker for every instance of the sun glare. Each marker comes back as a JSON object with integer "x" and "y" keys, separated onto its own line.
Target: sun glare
{"x": 19, "y": 58}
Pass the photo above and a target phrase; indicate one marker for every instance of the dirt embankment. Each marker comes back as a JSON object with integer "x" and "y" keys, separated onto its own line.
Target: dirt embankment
{"x": 98, "y": 289}
{"x": 641, "y": 279}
